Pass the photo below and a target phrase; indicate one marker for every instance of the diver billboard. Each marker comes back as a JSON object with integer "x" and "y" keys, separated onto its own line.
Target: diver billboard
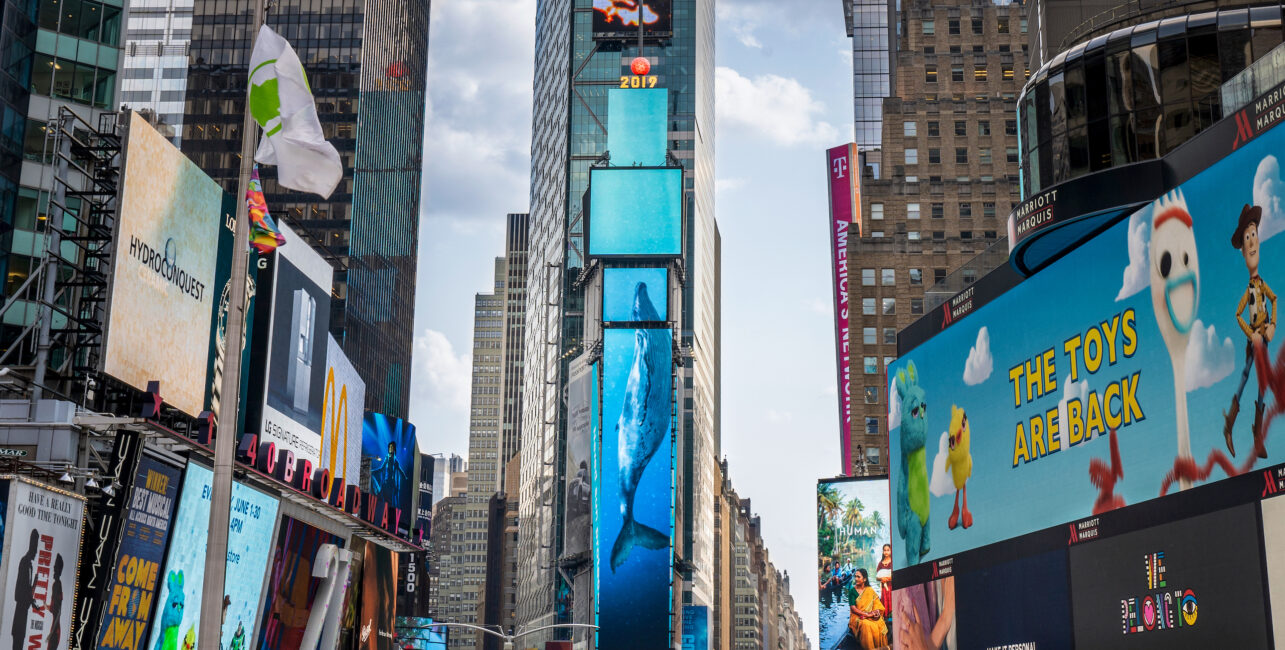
{"x": 1141, "y": 363}
{"x": 633, "y": 524}
{"x": 854, "y": 562}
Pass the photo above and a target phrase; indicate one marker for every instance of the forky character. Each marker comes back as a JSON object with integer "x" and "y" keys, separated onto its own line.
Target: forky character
{"x": 1175, "y": 293}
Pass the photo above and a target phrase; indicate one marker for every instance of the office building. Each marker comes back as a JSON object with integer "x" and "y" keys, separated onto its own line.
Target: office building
{"x": 949, "y": 178}
{"x": 498, "y": 603}
{"x": 154, "y": 71}
{"x": 499, "y": 322}
{"x": 567, "y": 137}
{"x": 367, "y": 65}
{"x": 871, "y": 24}
{"x": 441, "y": 586}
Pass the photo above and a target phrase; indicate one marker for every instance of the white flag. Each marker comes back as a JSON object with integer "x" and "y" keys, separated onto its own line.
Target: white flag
{"x": 282, "y": 104}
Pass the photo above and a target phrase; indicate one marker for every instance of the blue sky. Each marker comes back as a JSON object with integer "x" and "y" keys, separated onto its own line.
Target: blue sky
{"x": 784, "y": 94}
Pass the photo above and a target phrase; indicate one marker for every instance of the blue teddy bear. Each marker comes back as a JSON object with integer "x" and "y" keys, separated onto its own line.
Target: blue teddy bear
{"x": 912, "y": 489}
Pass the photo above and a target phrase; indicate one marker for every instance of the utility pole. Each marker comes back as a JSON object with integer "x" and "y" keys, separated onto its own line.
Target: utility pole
{"x": 229, "y": 401}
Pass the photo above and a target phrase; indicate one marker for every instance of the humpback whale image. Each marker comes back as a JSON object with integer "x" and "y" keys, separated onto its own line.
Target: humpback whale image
{"x": 644, "y": 424}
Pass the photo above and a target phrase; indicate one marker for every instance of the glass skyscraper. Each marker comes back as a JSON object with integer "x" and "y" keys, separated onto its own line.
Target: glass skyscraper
{"x": 569, "y": 133}
{"x": 367, "y": 64}
{"x": 867, "y": 22}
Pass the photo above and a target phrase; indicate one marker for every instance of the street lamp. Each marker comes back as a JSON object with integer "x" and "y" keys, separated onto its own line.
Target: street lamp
{"x": 510, "y": 638}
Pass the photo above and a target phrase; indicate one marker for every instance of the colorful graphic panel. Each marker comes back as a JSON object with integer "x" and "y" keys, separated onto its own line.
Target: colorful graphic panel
{"x": 178, "y": 605}
{"x": 582, "y": 407}
{"x": 1193, "y": 583}
{"x": 853, "y": 568}
{"x": 695, "y": 627}
{"x": 1132, "y": 356}
{"x": 634, "y": 523}
{"x": 389, "y": 448}
{"x": 619, "y": 18}
{"x": 636, "y": 126}
{"x": 926, "y": 616}
{"x": 635, "y": 211}
{"x": 378, "y": 599}
{"x": 623, "y": 289}
{"x": 292, "y": 587}
{"x": 44, "y": 527}
{"x": 137, "y": 575}
{"x": 419, "y": 634}
{"x": 845, "y": 212}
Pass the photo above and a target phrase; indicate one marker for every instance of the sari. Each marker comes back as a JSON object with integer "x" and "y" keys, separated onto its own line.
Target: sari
{"x": 869, "y": 632}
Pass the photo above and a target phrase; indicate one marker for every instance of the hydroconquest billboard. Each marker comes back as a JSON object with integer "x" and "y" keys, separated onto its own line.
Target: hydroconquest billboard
{"x": 42, "y": 529}
{"x": 854, "y": 563}
{"x": 158, "y": 324}
{"x": 1141, "y": 363}
{"x": 178, "y": 604}
{"x": 389, "y": 449}
{"x": 634, "y": 522}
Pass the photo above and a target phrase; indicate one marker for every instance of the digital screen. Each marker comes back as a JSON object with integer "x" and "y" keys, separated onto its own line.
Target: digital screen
{"x": 635, "y": 211}
{"x": 1273, "y": 511}
{"x": 634, "y": 523}
{"x": 619, "y": 18}
{"x": 582, "y": 431}
{"x": 389, "y": 449}
{"x": 1161, "y": 587}
{"x": 627, "y": 292}
{"x": 177, "y": 614}
{"x": 1019, "y": 604}
{"x": 163, "y": 278}
{"x": 44, "y": 530}
{"x": 420, "y": 634}
{"x": 926, "y": 615}
{"x": 1142, "y": 368}
{"x": 637, "y": 122}
{"x": 378, "y": 598}
{"x": 853, "y": 569}
{"x": 695, "y": 627}
{"x": 292, "y": 586}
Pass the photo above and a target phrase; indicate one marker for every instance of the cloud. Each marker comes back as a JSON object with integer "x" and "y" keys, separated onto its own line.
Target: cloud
{"x": 769, "y": 106}
{"x": 741, "y": 21}
{"x": 894, "y": 405}
{"x": 442, "y": 377}
{"x": 980, "y": 364}
{"x": 1071, "y": 390}
{"x": 728, "y": 184}
{"x": 1208, "y": 360}
{"x": 941, "y": 484}
{"x": 1136, "y": 275}
{"x": 1269, "y": 193}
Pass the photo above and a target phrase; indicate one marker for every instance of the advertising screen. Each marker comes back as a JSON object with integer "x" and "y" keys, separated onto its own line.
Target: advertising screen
{"x": 624, "y": 289}
{"x": 162, "y": 300}
{"x": 297, "y": 350}
{"x": 635, "y": 498}
{"x": 178, "y": 604}
{"x": 1017, "y": 604}
{"x": 635, "y": 211}
{"x": 853, "y": 569}
{"x": 1192, "y": 583}
{"x": 582, "y": 408}
{"x": 419, "y": 634}
{"x": 43, "y": 528}
{"x": 378, "y": 599}
{"x": 136, "y": 578}
{"x": 1072, "y": 381}
{"x": 619, "y": 18}
{"x": 292, "y": 585}
{"x": 845, "y": 211}
{"x": 343, "y": 401}
{"x": 637, "y": 120}
{"x": 695, "y": 627}
{"x": 1274, "y": 549}
{"x": 222, "y": 295}
{"x": 389, "y": 449}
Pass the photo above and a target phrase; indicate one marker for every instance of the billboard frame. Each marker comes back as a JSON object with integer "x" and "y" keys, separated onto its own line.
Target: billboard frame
{"x": 652, "y": 258}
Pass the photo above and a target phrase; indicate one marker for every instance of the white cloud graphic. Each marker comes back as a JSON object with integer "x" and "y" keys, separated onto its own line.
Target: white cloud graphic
{"x": 770, "y": 106}
{"x": 1136, "y": 276}
{"x": 980, "y": 364}
{"x": 894, "y": 405}
{"x": 1208, "y": 359}
{"x": 941, "y": 484}
{"x": 1071, "y": 390}
{"x": 1269, "y": 194}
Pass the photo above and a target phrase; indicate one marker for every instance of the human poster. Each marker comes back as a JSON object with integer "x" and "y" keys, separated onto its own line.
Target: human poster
{"x": 43, "y": 526}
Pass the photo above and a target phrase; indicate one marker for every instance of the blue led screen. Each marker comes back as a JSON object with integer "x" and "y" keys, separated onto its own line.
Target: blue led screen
{"x": 624, "y": 290}
{"x": 635, "y": 211}
{"x": 636, "y": 120}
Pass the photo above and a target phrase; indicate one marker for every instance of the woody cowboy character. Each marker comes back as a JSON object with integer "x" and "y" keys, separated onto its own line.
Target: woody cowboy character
{"x": 1261, "y": 324}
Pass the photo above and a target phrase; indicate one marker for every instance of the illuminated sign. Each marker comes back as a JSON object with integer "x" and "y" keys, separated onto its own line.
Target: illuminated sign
{"x": 635, "y": 81}
{"x": 845, "y": 211}
{"x": 619, "y": 19}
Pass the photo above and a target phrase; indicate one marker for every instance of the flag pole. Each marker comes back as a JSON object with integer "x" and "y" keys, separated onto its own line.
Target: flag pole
{"x": 211, "y": 622}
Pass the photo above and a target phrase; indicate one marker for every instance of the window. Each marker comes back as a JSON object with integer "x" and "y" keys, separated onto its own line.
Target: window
{"x": 930, "y": 27}
{"x": 930, "y": 74}
{"x": 872, "y": 365}
{"x": 1002, "y": 25}
{"x": 966, "y": 210}
{"x": 939, "y": 275}
{"x": 872, "y": 394}
{"x": 934, "y": 156}
{"x": 1010, "y": 154}
{"x": 878, "y": 234}
{"x": 1023, "y": 26}
{"x": 984, "y": 127}
{"x": 912, "y": 156}
{"x": 970, "y": 275}
{"x": 977, "y": 49}
{"x": 876, "y": 211}
{"x": 984, "y": 155}
{"x": 1010, "y": 127}
{"x": 939, "y": 210}
{"x": 887, "y": 362}
{"x": 908, "y": 129}
{"x": 916, "y": 277}
{"x": 913, "y": 235}
{"x": 961, "y": 128}
{"x": 956, "y": 73}
{"x": 977, "y": 26}
{"x": 1006, "y": 70}
{"x": 890, "y": 335}
{"x": 979, "y": 72}
{"x": 869, "y": 335}
{"x": 934, "y": 129}
{"x": 939, "y": 235}
{"x": 868, "y": 306}
{"x": 916, "y": 306}
{"x": 911, "y": 178}
{"x": 990, "y": 234}
{"x": 965, "y": 234}
{"x": 867, "y": 277}
{"x": 888, "y": 277}
{"x": 889, "y": 306}
{"x": 952, "y": 27}
{"x": 872, "y": 426}
{"x": 988, "y": 209}
{"x": 961, "y": 155}
{"x": 872, "y": 455}
{"x": 928, "y": 49}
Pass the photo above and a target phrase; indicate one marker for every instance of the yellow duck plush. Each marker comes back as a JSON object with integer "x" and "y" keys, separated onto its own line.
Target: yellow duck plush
{"x": 959, "y": 462}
